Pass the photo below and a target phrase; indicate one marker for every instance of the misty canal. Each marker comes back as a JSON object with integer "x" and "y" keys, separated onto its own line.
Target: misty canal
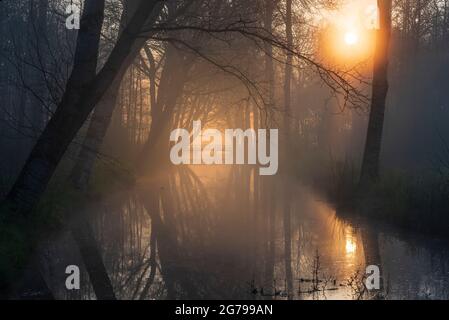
{"x": 217, "y": 232}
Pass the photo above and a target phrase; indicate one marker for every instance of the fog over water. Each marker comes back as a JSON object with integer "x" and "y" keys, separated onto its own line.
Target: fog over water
{"x": 107, "y": 129}
{"x": 222, "y": 252}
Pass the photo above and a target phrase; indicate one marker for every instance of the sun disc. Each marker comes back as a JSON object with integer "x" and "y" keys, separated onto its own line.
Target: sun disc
{"x": 351, "y": 38}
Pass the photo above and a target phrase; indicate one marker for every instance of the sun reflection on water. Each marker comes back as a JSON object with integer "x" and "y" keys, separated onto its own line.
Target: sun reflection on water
{"x": 351, "y": 246}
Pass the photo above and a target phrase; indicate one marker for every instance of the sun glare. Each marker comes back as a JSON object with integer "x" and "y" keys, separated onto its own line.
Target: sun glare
{"x": 351, "y": 38}
{"x": 348, "y": 32}
{"x": 350, "y": 247}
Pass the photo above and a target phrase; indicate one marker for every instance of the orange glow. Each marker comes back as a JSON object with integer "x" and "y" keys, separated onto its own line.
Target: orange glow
{"x": 351, "y": 246}
{"x": 350, "y": 242}
{"x": 348, "y": 33}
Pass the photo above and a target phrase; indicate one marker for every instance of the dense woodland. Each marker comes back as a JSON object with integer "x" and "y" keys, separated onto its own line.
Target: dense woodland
{"x": 85, "y": 119}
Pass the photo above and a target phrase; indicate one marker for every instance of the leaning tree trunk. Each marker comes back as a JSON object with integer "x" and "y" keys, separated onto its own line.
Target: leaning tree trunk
{"x": 81, "y": 230}
{"x": 73, "y": 110}
{"x": 101, "y": 118}
{"x": 371, "y": 157}
{"x": 86, "y": 63}
{"x": 87, "y": 244}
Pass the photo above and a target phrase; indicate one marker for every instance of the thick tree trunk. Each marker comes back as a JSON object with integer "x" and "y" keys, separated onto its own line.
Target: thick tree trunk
{"x": 77, "y": 103}
{"x": 91, "y": 25}
{"x": 103, "y": 112}
{"x": 371, "y": 157}
{"x": 81, "y": 172}
{"x": 93, "y": 261}
{"x": 81, "y": 230}
{"x": 102, "y": 116}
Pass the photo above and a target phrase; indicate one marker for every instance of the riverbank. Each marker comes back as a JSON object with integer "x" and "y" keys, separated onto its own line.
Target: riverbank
{"x": 416, "y": 203}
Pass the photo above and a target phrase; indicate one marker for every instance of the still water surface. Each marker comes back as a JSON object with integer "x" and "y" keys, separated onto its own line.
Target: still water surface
{"x": 219, "y": 234}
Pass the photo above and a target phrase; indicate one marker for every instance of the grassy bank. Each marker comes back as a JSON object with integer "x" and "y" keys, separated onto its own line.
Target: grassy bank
{"x": 416, "y": 202}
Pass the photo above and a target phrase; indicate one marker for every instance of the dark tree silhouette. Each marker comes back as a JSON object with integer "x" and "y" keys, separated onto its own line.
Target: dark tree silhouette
{"x": 371, "y": 157}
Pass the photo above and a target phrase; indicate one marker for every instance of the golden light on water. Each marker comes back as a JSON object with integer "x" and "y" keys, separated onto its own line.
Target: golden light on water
{"x": 351, "y": 246}
{"x": 350, "y": 241}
